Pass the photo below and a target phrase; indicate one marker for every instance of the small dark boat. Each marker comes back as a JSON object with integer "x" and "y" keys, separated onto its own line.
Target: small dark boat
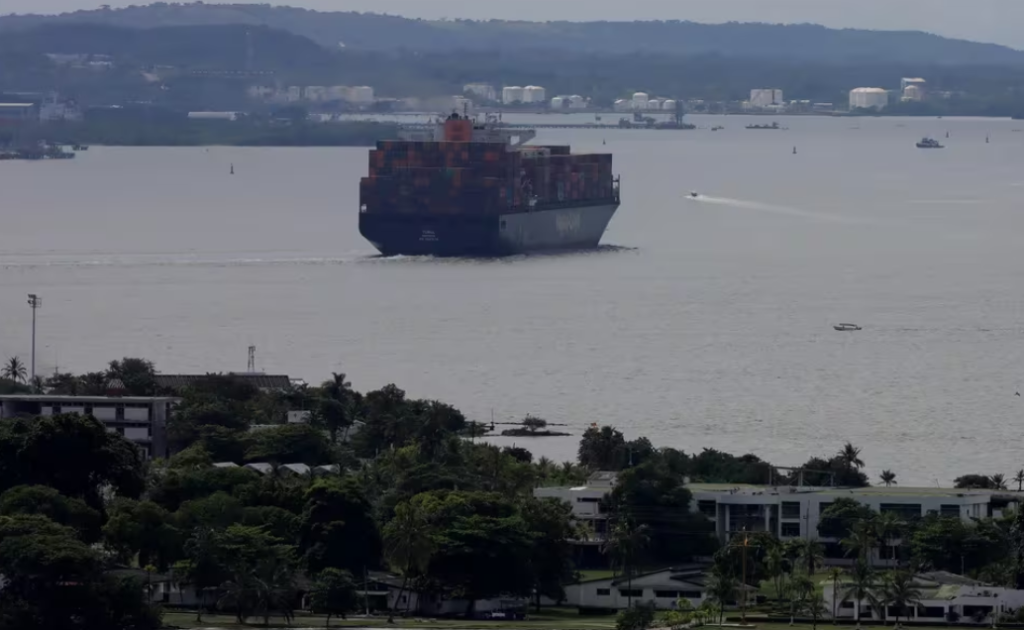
{"x": 928, "y": 143}
{"x": 847, "y": 327}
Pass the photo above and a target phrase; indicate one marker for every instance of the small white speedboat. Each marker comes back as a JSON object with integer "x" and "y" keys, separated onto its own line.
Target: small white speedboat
{"x": 847, "y": 327}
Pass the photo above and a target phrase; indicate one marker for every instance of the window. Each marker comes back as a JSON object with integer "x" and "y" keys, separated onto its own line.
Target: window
{"x": 588, "y": 500}
{"x": 604, "y": 592}
{"x": 636, "y": 592}
{"x": 667, "y": 594}
{"x": 791, "y": 529}
{"x": 690, "y": 594}
{"x": 903, "y": 510}
{"x": 846, "y": 604}
{"x": 790, "y": 509}
{"x": 950, "y": 511}
{"x": 708, "y": 508}
{"x": 936, "y": 612}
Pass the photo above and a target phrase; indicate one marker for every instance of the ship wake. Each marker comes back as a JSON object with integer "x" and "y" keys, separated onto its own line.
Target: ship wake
{"x": 773, "y": 209}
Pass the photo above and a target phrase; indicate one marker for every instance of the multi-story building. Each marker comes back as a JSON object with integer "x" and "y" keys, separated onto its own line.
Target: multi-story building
{"x": 482, "y": 91}
{"x": 766, "y": 98}
{"x": 140, "y": 419}
{"x": 790, "y": 512}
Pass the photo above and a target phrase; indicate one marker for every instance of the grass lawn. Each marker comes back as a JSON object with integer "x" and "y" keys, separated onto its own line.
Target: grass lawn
{"x": 824, "y": 625}
{"x": 548, "y": 618}
{"x": 596, "y": 574}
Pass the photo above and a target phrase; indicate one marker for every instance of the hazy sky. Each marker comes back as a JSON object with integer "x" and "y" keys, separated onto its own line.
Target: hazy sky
{"x": 981, "y": 20}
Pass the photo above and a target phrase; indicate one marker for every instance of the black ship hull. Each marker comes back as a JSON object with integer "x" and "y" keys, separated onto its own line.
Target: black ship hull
{"x": 579, "y": 226}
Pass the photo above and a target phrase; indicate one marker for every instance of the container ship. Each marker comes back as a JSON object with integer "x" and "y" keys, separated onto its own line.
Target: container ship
{"x": 461, "y": 187}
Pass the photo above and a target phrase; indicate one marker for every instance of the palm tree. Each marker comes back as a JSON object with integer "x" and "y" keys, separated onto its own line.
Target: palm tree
{"x": 721, "y": 588}
{"x": 14, "y": 370}
{"x": 888, "y": 526}
{"x": 888, "y": 478}
{"x": 850, "y": 456}
{"x": 862, "y": 578}
{"x": 834, "y": 574}
{"x": 408, "y": 544}
{"x": 624, "y": 543}
{"x": 861, "y": 540}
{"x": 810, "y": 555}
{"x": 1019, "y": 478}
{"x": 900, "y": 592}
{"x": 998, "y": 481}
{"x": 801, "y": 586}
{"x": 775, "y": 566}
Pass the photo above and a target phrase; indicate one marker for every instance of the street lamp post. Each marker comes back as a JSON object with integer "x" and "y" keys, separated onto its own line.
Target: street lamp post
{"x": 35, "y": 302}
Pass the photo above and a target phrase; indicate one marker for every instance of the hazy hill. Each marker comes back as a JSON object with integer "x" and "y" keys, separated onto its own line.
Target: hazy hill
{"x": 372, "y": 32}
{"x": 224, "y": 47}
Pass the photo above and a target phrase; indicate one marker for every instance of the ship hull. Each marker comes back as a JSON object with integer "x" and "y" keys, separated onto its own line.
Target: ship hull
{"x": 549, "y": 229}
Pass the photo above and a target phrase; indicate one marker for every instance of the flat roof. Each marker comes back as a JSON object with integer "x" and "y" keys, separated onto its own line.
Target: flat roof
{"x": 874, "y": 491}
{"x": 42, "y": 398}
{"x": 17, "y": 105}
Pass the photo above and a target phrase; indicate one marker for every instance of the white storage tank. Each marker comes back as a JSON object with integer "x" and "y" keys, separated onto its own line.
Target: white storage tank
{"x": 640, "y": 100}
{"x": 557, "y": 103}
{"x": 577, "y": 102}
{"x": 534, "y": 94}
{"x": 512, "y": 94}
{"x": 913, "y": 93}
{"x": 622, "y": 105}
{"x": 654, "y": 104}
{"x": 213, "y": 115}
{"x": 669, "y": 104}
{"x": 869, "y": 98}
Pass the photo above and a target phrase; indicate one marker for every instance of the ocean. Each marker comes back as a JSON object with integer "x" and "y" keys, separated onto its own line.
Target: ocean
{"x": 700, "y": 323}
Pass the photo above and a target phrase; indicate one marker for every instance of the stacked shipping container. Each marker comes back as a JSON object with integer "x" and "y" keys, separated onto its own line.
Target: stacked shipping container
{"x": 457, "y": 177}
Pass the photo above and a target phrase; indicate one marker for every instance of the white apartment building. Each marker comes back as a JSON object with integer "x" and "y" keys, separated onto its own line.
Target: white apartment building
{"x": 484, "y": 91}
{"x": 790, "y": 512}
{"x": 140, "y": 419}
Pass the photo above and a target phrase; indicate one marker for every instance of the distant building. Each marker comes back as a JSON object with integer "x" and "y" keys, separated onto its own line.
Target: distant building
{"x": 577, "y": 102}
{"x": 483, "y": 91}
{"x": 315, "y": 93}
{"x": 462, "y": 105}
{"x": 766, "y": 98}
{"x": 212, "y": 115}
{"x": 907, "y": 82}
{"x": 913, "y": 93}
{"x": 140, "y": 419}
{"x": 15, "y": 113}
{"x": 512, "y": 94}
{"x": 558, "y": 103}
{"x": 263, "y": 382}
{"x": 640, "y": 100}
{"x": 869, "y": 98}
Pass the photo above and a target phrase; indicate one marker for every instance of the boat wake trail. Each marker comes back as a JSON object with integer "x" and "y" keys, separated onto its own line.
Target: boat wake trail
{"x": 765, "y": 207}
{"x": 129, "y": 261}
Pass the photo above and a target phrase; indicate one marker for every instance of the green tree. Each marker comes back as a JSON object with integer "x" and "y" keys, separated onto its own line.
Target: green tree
{"x": 14, "y": 370}
{"x": 337, "y": 528}
{"x": 64, "y": 384}
{"x": 476, "y": 532}
{"x": 602, "y": 448}
{"x": 840, "y": 518}
{"x": 722, "y": 589}
{"x": 888, "y": 478}
{"x": 332, "y": 416}
{"x": 835, "y": 574}
{"x": 862, "y": 539}
{"x": 204, "y": 567}
{"x": 333, "y": 593}
{"x": 408, "y": 543}
{"x": 639, "y": 617}
{"x": 850, "y": 456}
{"x": 625, "y": 543}
{"x": 980, "y": 482}
{"x": 45, "y": 501}
{"x": 1017, "y": 547}
{"x": 810, "y": 555}
{"x": 143, "y": 531}
{"x": 889, "y": 528}
{"x": 90, "y": 457}
{"x": 653, "y": 496}
{"x": 138, "y": 375}
{"x": 534, "y": 424}
{"x": 1019, "y": 479}
{"x": 551, "y": 525}
{"x": 860, "y": 587}
{"x": 998, "y": 481}
{"x": 900, "y": 592}
{"x": 289, "y": 444}
{"x": 775, "y": 566}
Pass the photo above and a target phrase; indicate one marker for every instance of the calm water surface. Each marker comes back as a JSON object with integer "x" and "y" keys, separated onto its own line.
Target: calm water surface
{"x": 702, "y": 323}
